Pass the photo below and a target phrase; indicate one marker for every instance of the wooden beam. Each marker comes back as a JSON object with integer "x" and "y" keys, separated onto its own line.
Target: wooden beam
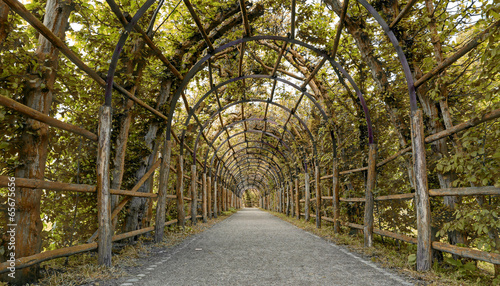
{"x": 116, "y": 9}
{"x": 199, "y": 25}
{"x": 473, "y": 43}
{"x": 403, "y": 13}
{"x": 37, "y": 115}
{"x": 472, "y": 191}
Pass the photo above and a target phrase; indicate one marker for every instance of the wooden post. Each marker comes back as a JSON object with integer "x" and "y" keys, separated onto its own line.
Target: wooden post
{"x": 317, "y": 183}
{"x": 209, "y": 197}
{"x": 336, "y": 196}
{"x": 279, "y": 200}
{"x": 424, "y": 249}
{"x": 287, "y": 189}
{"x": 370, "y": 185}
{"x": 162, "y": 191}
{"x": 215, "y": 197}
{"x": 103, "y": 197}
{"x": 180, "y": 193}
{"x": 204, "y": 197}
{"x": 194, "y": 194}
{"x": 297, "y": 205}
{"x": 307, "y": 196}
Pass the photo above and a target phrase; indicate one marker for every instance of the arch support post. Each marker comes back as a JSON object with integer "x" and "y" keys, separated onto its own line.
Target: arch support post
{"x": 204, "y": 197}
{"x": 215, "y": 198}
{"x": 209, "y": 197}
{"x": 370, "y": 185}
{"x": 336, "y": 196}
{"x": 424, "y": 248}
{"x": 103, "y": 196}
{"x": 317, "y": 183}
{"x": 307, "y": 196}
{"x": 162, "y": 191}
{"x": 194, "y": 194}
{"x": 180, "y": 193}
{"x": 297, "y": 198}
{"x": 288, "y": 194}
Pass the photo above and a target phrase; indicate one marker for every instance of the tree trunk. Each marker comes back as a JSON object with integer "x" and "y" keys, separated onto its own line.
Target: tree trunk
{"x": 138, "y": 206}
{"x": 34, "y": 138}
{"x": 4, "y": 24}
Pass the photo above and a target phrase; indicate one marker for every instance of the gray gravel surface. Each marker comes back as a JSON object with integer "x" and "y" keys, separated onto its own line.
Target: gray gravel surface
{"x": 253, "y": 247}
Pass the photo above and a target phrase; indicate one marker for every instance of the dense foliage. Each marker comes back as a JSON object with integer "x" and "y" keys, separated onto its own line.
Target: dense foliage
{"x": 432, "y": 32}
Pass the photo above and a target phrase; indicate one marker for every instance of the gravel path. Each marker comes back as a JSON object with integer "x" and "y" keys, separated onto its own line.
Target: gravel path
{"x": 253, "y": 247}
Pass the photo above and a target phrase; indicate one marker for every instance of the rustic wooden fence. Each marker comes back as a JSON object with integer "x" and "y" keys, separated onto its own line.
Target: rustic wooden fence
{"x": 287, "y": 199}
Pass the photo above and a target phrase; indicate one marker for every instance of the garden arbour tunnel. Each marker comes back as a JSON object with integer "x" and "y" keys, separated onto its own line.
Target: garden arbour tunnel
{"x": 269, "y": 157}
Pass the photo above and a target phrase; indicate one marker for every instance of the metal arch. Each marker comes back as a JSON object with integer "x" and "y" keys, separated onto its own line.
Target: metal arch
{"x": 257, "y": 169}
{"x": 259, "y": 147}
{"x": 250, "y": 131}
{"x": 304, "y": 125}
{"x": 230, "y": 137}
{"x": 402, "y": 58}
{"x": 250, "y": 157}
{"x": 259, "y": 119}
{"x": 197, "y": 67}
{"x": 243, "y": 149}
{"x": 247, "y": 179}
{"x": 119, "y": 48}
{"x": 216, "y": 167}
{"x": 188, "y": 119}
{"x": 242, "y": 132}
{"x": 259, "y": 186}
{"x": 245, "y": 120}
{"x": 278, "y": 172}
{"x": 240, "y": 159}
{"x": 275, "y": 173}
{"x": 248, "y": 182}
{"x": 261, "y": 177}
{"x": 255, "y": 100}
{"x": 245, "y": 188}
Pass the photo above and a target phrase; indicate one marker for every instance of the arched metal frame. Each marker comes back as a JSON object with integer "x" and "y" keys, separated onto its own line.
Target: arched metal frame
{"x": 275, "y": 166}
{"x": 304, "y": 125}
{"x": 277, "y": 171}
{"x": 197, "y": 67}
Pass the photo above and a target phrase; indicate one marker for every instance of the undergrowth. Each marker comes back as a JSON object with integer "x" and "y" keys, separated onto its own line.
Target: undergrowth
{"x": 82, "y": 269}
{"x": 397, "y": 255}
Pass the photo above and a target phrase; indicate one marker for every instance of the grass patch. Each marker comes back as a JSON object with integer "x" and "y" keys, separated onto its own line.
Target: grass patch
{"x": 83, "y": 269}
{"x": 396, "y": 255}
